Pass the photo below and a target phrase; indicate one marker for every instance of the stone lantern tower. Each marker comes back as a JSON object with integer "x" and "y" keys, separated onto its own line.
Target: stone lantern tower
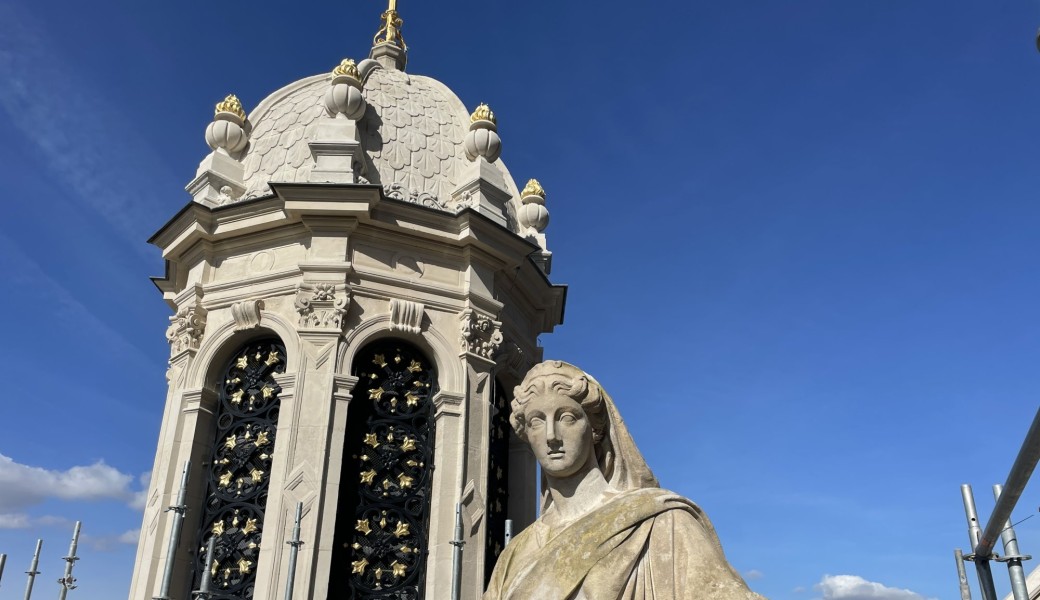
{"x": 357, "y": 285}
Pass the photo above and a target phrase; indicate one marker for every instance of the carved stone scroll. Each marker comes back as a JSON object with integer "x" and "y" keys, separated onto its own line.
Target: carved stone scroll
{"x": 186, "y": 328}
{"x": 406, "y": 316}
{"x": 247, "y": 314}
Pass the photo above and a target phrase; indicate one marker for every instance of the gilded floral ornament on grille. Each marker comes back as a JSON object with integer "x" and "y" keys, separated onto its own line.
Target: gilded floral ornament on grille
{"x": 240, "y": 467}
{"x": 393, "y": 459}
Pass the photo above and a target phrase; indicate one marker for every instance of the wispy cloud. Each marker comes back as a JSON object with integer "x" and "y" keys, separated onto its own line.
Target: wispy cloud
{"x": 23, "y": 486}
{"x": 105, "y": 543}
{"x": 21, "y": 271}
{"x": 86, "y": 142}
{"x": 753, "y": 574}
{"x": 854, "y": 587}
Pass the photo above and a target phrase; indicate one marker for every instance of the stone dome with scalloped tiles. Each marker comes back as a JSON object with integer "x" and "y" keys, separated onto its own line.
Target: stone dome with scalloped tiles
{"x": 412, "y": 136}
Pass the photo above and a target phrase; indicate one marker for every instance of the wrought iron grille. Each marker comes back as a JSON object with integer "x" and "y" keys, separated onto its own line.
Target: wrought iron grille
{"x": 383, "y": 517}
{"x": 239, "y": 469}
{"x": 498, "y": 479}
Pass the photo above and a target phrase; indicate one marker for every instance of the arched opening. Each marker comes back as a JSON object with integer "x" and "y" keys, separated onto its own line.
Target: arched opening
{"x": 239, "y": 468}
{"x": 382, "y": 518}
{"x": 497, "y": 478}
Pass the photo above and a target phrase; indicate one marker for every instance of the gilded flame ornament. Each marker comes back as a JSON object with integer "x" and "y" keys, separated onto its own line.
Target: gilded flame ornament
{"x": 483, "y": 113}
{"x": 231, "y": 105}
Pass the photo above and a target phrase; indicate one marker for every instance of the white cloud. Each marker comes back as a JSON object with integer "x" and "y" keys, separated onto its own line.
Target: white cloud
{"x": 140, "y": 497}
{"x": 22, "y": 486}
{"x": 129, "y": 537}
{"x": 854, "y": 587}
{"x": 24, "y": 521}
{"x": 107, "y": 543}
{"x": 753, "y": 574}
{"x": 14, "y": 520}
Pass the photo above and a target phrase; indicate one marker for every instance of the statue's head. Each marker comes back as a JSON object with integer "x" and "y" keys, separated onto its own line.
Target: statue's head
{"x": 560, "y": 412}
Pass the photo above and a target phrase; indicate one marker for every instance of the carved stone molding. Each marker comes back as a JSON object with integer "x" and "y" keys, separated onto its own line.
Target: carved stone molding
{"x": 247, "y": 314}
{"x": 322, "y": 305}
{"x": 406, "y": 316}
{"x": 186, "y": 328}
{"x": 481, "y": 335}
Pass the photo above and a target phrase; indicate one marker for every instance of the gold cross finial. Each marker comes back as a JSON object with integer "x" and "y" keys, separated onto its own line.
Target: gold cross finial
{"x": 390, "y": 31}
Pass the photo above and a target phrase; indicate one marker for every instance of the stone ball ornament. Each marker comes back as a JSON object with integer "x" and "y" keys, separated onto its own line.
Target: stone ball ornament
{"x": 227, "y": 130}
{"x": 482, "y": 139}
{"x": 344, "y": 95}
{"x": 532, "y": 213}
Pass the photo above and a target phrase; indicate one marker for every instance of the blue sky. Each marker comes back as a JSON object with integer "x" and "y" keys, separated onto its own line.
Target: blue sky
{"x": 800, "y": 239}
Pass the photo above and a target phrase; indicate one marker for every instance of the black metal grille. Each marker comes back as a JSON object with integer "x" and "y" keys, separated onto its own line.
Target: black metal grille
{"x": 383, "y": 516}
{"x": 239, "y": 470}
{"x": 498, "y": 479}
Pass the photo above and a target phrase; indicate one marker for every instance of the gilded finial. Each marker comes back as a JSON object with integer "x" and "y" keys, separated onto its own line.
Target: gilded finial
{"x": 232, "y": 105}
{"x": 533, "y": 188}
{"x": 347, "y": 68}
{"x": 390, "y": 31}
{"x": 482, "y": 113}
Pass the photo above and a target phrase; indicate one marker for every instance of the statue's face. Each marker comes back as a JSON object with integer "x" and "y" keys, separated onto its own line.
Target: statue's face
{"x": 559, "y": 433}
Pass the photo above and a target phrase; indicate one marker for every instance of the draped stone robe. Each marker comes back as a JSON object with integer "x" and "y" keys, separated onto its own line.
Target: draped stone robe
{"x": 643, "y": 544}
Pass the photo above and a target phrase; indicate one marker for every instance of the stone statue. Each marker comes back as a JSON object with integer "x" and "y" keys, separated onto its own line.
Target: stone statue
{"x": 606, "y": 530}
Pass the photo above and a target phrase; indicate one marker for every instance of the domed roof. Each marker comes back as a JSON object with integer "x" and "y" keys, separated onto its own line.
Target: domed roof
{"x": 412, "y": 136}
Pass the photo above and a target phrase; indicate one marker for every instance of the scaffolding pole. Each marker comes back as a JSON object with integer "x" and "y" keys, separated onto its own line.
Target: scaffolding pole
{"x": 962, "y": 576}
{"x": 178, "y": 511}
{"x": 68, "y": 582}
{"x": 456, "y": 555}
{"x": 205, "y": 591}
{"x": 294, "y": 549}
{"x": 1016, "y": 482}
{"x": 982, "y": 568}
{"x": 32, "y": 572}
{"x": 1012, "y": 555}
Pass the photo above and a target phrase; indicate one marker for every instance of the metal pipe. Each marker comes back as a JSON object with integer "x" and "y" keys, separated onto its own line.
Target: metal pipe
{"x": 974, "y": 531}
{"x": 68, "y": 582}
{"x": 32, "y": 572}
{"x": 205, "y": 591}
{"x": 294, "y": 549}
{"x": 985, "y": 579}
{"x": 981, "y": 564}
{"x": 3, "y": 561}
{"x": 509, "y": 532}
{"x": 962, "y": 576}
{"x": 456, "y": 555}
{"x": 178, "y": 511}
{"x": 1012, "y": 554}
{"x": 1016, "y": 482}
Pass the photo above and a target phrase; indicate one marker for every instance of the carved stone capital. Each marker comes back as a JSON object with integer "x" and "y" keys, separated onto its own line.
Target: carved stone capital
{"x": 406, "y": 316}
{"x": 322, "y": 305}
{"x": 186, "y": 328}
{"x": 480, "y": 334}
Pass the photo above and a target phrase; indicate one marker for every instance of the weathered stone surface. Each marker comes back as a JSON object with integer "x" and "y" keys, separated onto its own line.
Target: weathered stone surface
{"x": 607, "y": 530}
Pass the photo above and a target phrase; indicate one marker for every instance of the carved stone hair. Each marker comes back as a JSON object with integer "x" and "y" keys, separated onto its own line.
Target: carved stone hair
{"x": 560, "y": 378}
